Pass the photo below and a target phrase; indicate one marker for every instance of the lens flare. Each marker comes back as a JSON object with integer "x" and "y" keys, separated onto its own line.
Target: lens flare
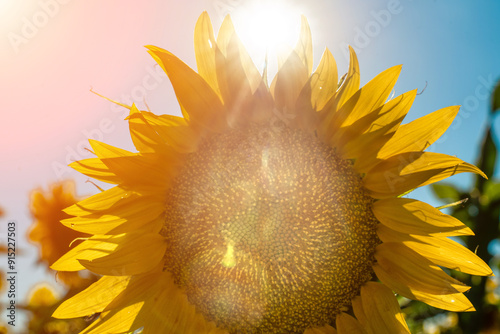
{"x": 8, "y": 15}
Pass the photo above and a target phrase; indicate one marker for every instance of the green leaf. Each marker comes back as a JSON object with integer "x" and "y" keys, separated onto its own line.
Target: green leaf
{"x": 446, "y": 191}
{"x": 463, "y": 215}
{"x": 495, "y": 98}
{"x": 488, "y": 155}
{"x": 492, "y": 191}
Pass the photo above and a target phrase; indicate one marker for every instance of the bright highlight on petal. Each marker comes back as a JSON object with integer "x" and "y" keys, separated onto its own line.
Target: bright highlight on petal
{"x": 268, "y": 208}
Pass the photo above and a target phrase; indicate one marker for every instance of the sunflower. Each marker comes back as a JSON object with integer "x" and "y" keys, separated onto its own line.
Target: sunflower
{"x": 268, "y": 208}
{"x": 52, "y": 237}
{"x": 42, "y": 299}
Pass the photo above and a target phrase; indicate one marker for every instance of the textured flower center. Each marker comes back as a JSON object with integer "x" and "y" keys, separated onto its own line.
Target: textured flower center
{"x": 269, "y": 231}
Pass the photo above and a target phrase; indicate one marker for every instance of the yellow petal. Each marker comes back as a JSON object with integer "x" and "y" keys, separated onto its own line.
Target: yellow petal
{"x": 318, "y": 90}
{"x": 225, "y": 38}
{"x": 386, "y": 117}
{"x": 117, "y": 321}
{"x": 414, "y": 271}
{"x": 351, "y": 82}
{"x": 204, "y": 50}
{"x": 362, "y": 103}
{"x": 406, "y": 171}
{"x": 101, "y": 201}
{"x": 289, "y": 82}
{"x": 128, "y": 258}
{"x": 253, "y": 75}
{"x": 306, "y": 118}
{"x": 124, "y": 218}
{"x": 323, "y": 81}
{"x": 382, "y": 309}
{"x": 391, "y": 112}
{"x": 349, "y": 86}
{"x": 420, "y": 133}
{"x": 262, "y": 106}
{"x": 237, "y": 75}
{"x": 161, "y": 168}
{"x": 96, "y": 169}
{"x": 103, "y": 150}
{"x": 222, "y": 77}
{"x": 455, "y": 302}
{"x": 158, "y": 305}
{"x": 359, "y": 312}
{"x": 370, "y": 97}
{"x": 439, "y": 250}
{"x": 193, "y": 92}
{"x": 235, "y": 87}
{"x": 93, "y": 299}
{"x": 448, "y": 253}
{"x": 346, "y": 324}
{"x": 304, "y": 46}
{"x": 92, "y": 248}
{"x": 226, "y": 31}
{"x": 363, "y": 139}
{"x": 357, "y": 114}
{"x": 174, "y": 131}
{"x": 169, "y": 311}
{"x": 143, "y": 135}
{"x": 414, "y": 217}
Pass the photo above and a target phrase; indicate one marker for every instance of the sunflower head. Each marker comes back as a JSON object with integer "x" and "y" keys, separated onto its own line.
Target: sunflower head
{"x": 42, "y": 295}
{"x": 41, "y": 301}
{"x": 268, "y": 208}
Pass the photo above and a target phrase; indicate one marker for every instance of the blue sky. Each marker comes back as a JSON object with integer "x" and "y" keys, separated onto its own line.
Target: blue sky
{"x": 452, "y": 48}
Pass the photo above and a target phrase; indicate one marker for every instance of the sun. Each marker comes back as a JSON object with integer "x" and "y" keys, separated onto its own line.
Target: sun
{"x": 5, "y": 4}
{"x": 267, "y": 28}
{"x": 8, "y": 9}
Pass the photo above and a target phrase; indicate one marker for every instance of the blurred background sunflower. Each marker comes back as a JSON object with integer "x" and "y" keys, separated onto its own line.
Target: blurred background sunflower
{"x": 53, "y": 238}
{"x": 458, "y": 64}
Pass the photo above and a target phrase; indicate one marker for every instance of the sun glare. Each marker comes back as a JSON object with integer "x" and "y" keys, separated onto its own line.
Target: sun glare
{"x": 7, "y": 7}
{"x": 4, "y": 4}
{"x": 267, "y": 27}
